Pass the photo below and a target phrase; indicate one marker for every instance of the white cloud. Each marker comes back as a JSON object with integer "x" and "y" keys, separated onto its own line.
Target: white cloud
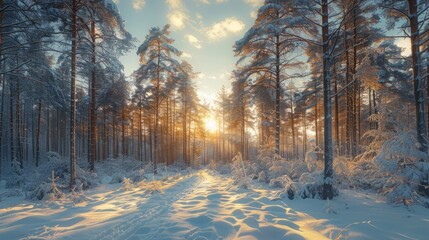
{"x": 205, "y": 1}
{"x": 254, "y": 3}
{"x": 116, "y": 1}
{"x": 199, "y": 16}
{"x": 223, "y": 28}
{"x": 175, "y": 4}
{"x": 221, "y": 1}
{"x": 186, "y": 55}
{"x": 177, "y": 19}
{"x": 177, "y": 16}
{"x": 193, "y": 40}
{"x": 138, "y": 4}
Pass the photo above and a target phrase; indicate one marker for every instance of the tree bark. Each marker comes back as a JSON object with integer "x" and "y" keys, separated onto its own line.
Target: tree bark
{"x": 327, "y": 192}
{"x": 39, "y": 117}
{"x": 337, "y": 122}
{"x": 419, "y": 94}
{"x": 277, "y": 108}
{"x": 93, "y": 117}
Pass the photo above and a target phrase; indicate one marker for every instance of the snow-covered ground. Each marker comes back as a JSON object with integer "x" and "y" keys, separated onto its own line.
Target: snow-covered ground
{"x": 205, "y": 205}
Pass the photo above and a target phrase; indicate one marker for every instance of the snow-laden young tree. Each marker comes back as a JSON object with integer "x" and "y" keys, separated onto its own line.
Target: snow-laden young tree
{"x": 157, "y": 65}
{"x": 266, "y": 47}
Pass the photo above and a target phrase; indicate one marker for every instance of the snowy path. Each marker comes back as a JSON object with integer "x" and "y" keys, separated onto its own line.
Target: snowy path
{"x": 216, "y": 210}
{"x": 205, "y": 205}
{"x": 109, "y": 212}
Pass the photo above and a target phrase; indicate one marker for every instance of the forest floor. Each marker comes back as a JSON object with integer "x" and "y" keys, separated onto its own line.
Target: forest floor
{"x": 205, "y": 205}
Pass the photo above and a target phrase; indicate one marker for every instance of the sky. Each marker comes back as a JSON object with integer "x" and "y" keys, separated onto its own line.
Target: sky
{"x": 204, "y": 30}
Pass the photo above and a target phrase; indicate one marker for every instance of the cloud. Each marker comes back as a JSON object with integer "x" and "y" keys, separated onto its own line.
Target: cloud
{"x": 221, "y": 1}
{"x": 116, "y": 1}
{"x": 254, "y": 3}
{"x": 193, "y": 40}
{"x": 176, "y": 16}
{"x": 221, "y": 29}
{"x": 175, "y": 4}
{"x": 138, "y": 4}
{"x": 205, "y": 1}
{"x": 177, "y": 19}
{"x": 186, "y": 55}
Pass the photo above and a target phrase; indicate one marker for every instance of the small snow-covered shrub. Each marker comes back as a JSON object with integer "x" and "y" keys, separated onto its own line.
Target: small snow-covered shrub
{"x": 12, "y": 193}
{"x": 78, "y": 197}
{"x": 262, "y": 177}
{"x": 239, "y": 174}
{"x": 48, "y": 191}
{"x": 16, "y": 178}
{"x": 137, "y": 175}
{"x": 310, "y": 185}
{"x": 278, "y": 169}
{"x": 148, "y": 168}
{"x": 127, "y": 184}
{"x": 85, "y": 179}
{"x": 219, "y": 167}
{"x": 281, "y": 182}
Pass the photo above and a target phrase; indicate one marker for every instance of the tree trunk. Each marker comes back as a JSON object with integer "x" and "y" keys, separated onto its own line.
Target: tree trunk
{"x": 73, "y": 96}
{"x": 337, "y": 127}
{"x": 39, "y": 117}
{"x": 123, "y": 132}
{"x": 419, "y": 94}
{"x": 292, "y": 118}
{"x": 328, "y": 171}
{"x": 18, "y": 123}
{"x": 316, "y": 114}
{"x": 1, "y": 121}
{"x": 184, "y": 124}
{"x": 11, "y": 126}
{"x": 93, "y": 117}
{"x": 277, "y": 108}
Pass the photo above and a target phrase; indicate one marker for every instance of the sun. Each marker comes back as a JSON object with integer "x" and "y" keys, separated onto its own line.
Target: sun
{"x": 211, "y": 124}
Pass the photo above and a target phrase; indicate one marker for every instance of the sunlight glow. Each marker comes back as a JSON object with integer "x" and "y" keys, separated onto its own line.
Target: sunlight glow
{"x": 211, "y": 124}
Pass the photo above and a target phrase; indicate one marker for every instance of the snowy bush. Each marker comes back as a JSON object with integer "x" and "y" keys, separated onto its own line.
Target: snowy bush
{"x": 148, "y": 168}
{"x": 262, "y": 177}
{"x": 78, "y": 197}
{"x": 11, "y": 193}
{"x": 281, "y": 182}
{"x": 48, "y": 191}
{"x": 127, "y": 184}
{"x": 391, "y": 162}
{"x": 16, "y": 178}
{"x": 399, "y": 157}
{"x": 137, "y": 175}
{"x": 219, "y": 167}
{"x": 239, "y": 174}
{"x": 85, "y": 179}
{"x": 278, "y": 169}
